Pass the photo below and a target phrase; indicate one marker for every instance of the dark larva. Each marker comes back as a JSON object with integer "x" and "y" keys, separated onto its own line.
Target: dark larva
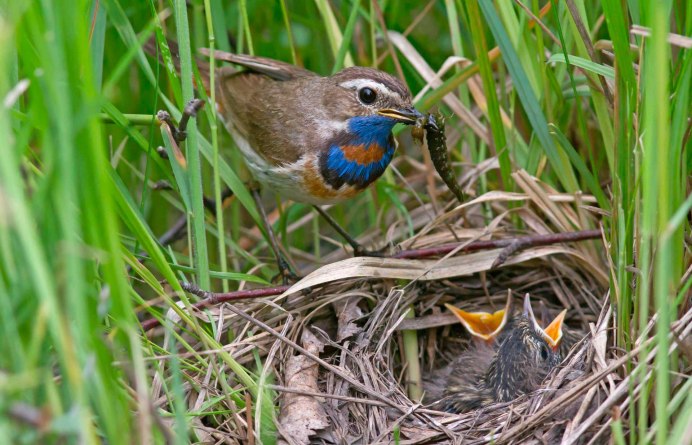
{"x": 437, "y": 145}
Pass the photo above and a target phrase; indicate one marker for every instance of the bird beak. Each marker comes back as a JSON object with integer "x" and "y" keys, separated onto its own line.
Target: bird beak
{"x": 553, "y": 333}
{"x": 482, "y": 324}
{"x": 554, "y": 330}
{"x": 404, "y": 115}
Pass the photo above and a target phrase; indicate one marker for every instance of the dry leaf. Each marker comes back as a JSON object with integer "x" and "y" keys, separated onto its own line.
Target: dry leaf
{"x": 368, "y": 267}
{"x": 301, "y": 416}
{"x": 347, "y": 311}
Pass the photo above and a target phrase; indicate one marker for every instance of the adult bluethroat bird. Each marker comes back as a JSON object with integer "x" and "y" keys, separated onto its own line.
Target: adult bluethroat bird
{"x": 312, "y": 139}
{"x": 516, "y": 360}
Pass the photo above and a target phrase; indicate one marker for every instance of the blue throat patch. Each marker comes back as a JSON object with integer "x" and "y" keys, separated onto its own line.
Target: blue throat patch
{"x": 371, "y": 129}
{"x": 364, "y": 133}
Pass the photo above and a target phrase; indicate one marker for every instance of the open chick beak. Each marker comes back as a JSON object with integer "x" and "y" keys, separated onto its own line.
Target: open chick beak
{"x": 407, "y": 116}
{"x": 553, "y": 333}
{"x": 482, "y": 324}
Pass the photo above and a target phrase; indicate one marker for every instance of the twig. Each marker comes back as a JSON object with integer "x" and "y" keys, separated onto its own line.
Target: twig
{"x": 511, "y": 245}
{"x": 427, "y": 322}
{"x": 542, "y": 240}
{"x": 674, "y": 39}
{"x": 177, "y": 230}
{"x": 327, "y": 396}
{"x": 538, "y": 22}
{"x": 174, "y": 233}
{"x": 352, "y": 399}
{"x": 213, "y": 298}
{"x": 586, "y": 39}
{"x": 344, "y": 374}
{"x": 190, "y": 110}
{"x": 248, "y": 418}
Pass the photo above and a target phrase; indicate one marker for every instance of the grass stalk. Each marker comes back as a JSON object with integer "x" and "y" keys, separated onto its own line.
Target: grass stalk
{"x": 660, "y": 182}
{"x": 413, "y": 372}
{"x": 196, "y": 211}
{"x": 496, "y": 125}
{"x": 213, "y": 128}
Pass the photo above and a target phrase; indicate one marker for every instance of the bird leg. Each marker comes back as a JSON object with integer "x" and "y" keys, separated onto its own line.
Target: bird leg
{"x": 287, "y": 275}
{"x": 210, "y": 203}
{"x": 358, "y": 249}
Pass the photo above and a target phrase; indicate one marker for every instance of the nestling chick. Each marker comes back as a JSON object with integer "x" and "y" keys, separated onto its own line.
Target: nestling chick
{"x": 514, "y": 362}
{"x": 485, "y": 329}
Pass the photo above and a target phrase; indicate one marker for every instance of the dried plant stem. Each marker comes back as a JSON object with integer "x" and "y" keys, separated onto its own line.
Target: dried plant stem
{"x": 511, "y": 245}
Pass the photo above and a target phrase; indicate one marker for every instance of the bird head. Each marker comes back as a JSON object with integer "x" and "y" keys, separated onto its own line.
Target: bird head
{"x": 552, "y": 334}
{"x": 525, "y": 356}
{"x": 360, "y": 106}
{"x": 372, "y": 102}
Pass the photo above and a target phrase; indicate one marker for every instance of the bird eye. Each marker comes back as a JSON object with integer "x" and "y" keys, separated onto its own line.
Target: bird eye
{"x": 367, "y": 95}
{"x": 544, "y": 352}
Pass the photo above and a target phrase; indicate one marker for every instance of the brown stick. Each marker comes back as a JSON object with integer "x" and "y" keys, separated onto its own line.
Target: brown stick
{"x": 248, "y": 419}
{"x": 511, "y": 246}
{"x": 212, "y": 298}
{"x": 179, "y": 132}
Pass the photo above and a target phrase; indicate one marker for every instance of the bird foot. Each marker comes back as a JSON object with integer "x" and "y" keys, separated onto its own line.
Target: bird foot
{"x": 285, "y": 273}
{"x": 359, "y": 250}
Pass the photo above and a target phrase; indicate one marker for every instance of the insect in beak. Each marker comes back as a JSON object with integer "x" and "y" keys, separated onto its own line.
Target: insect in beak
{"x": 407, "y": 116}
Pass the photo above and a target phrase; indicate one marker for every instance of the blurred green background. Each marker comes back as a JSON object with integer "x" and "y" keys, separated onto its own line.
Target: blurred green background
{"x": 81, "y": 197}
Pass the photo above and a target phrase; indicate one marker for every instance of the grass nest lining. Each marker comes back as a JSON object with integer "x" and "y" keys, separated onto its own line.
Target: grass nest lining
{"x": 334, "y": 350}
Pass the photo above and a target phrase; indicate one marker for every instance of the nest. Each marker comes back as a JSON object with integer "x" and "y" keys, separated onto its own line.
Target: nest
{"x": 338, "y": 350}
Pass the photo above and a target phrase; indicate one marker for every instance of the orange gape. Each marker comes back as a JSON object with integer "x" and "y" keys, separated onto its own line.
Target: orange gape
{"x": 481, "y": 324}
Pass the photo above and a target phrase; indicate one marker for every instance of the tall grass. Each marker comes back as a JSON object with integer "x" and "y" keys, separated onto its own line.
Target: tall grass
{"x": 80, "y": 263}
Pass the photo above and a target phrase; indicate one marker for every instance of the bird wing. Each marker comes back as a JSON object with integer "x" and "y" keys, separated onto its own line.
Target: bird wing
{"x": 275, "y": 69}
{"x": 460, "y": 386}
{"x": 266, "y": 114}
{"x": 255, "y": 104}
{"x": 254, "y": 107}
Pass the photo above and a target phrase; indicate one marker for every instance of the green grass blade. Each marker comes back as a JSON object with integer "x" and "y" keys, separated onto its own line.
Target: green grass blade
{"x": 558, "y": 161}
{"x": 348, "y": 36}
{"x": 496, "y": 125}
{"x": 579, "y": 164}
{"x": 586, "y": 64}
{"x": 333, "y": 31}
{"x": 196, "y": 211}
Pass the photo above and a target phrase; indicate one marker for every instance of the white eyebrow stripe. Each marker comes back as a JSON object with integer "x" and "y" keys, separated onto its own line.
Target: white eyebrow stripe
{"x": 357, "y": 84}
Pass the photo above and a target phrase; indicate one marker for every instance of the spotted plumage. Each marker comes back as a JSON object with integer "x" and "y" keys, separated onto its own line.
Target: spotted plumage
{"x": 489, "y": 373}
